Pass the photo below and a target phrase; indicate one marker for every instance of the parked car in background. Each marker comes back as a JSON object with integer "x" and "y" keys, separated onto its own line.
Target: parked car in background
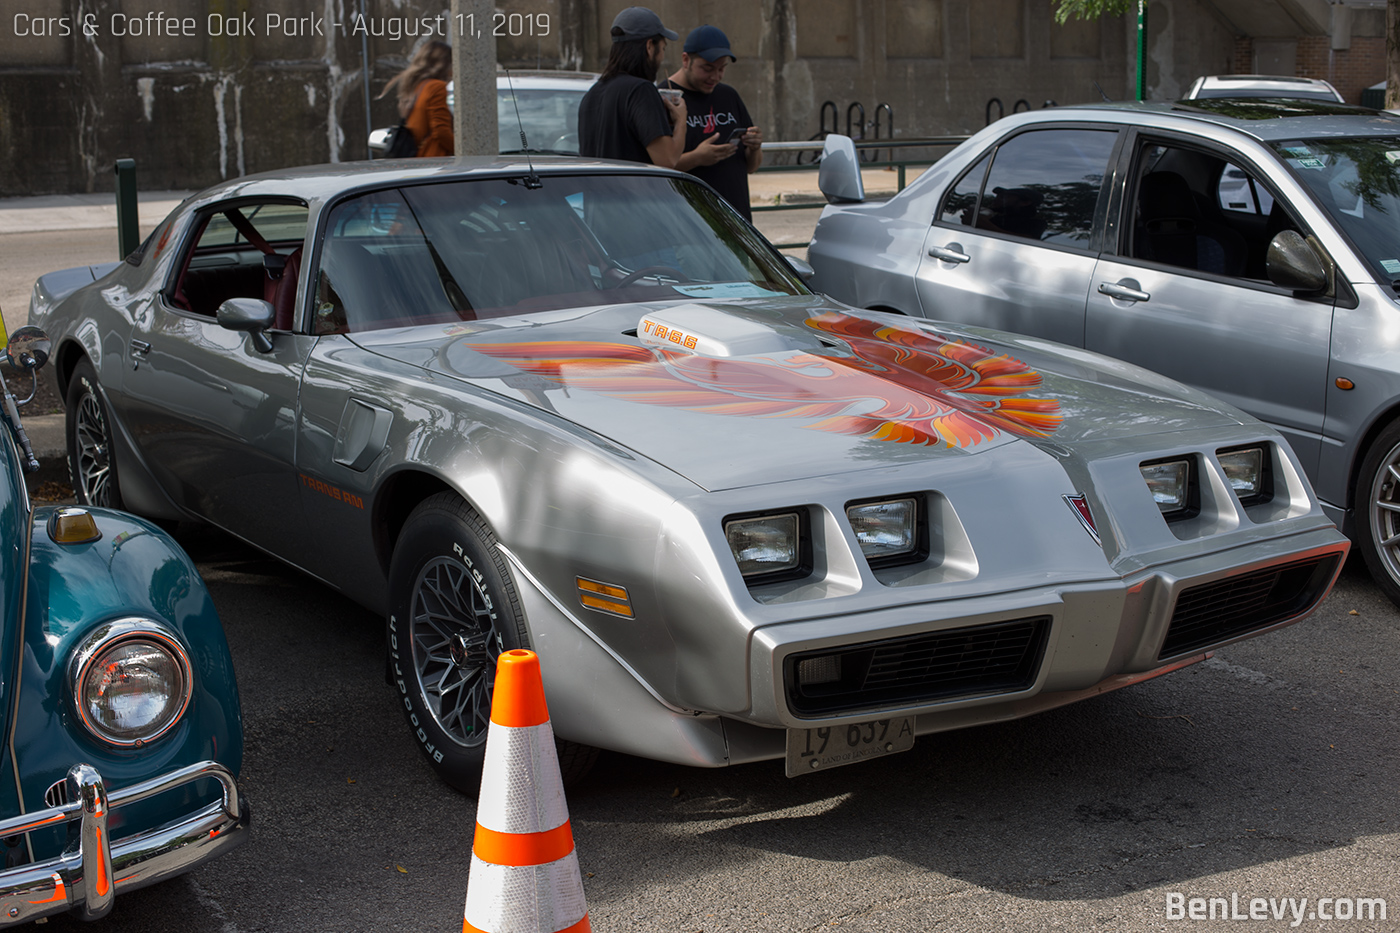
{"x": 1248, "y": 248}
{"x": 1249, "y": 86}
{"x": 583, "y": 407}
{"x": 547, "y": 103}
{"x": 124, "y": 736}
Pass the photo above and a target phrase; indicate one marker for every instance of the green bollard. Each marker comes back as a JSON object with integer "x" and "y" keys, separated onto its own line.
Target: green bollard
{"x": 128, "y": 226}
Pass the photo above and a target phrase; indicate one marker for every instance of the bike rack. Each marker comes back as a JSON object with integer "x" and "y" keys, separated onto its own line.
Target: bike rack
{"x": 1021, "y": 106}
{"x": 889, "y": 128}
{"x": 822, "y": 132}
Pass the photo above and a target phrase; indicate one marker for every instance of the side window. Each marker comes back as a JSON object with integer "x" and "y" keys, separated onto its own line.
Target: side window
{"x": 1044, "y": 185}
{"x": 378, "y": 270}
{"x": 1196, "y": 210}
{"x": 240, "y": 251}
{"x": 1239, "y": 191}
{"x": 960, "y": 204}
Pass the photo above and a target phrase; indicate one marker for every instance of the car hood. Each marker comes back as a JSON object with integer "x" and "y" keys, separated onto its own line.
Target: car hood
{"x": 740, "y": 393}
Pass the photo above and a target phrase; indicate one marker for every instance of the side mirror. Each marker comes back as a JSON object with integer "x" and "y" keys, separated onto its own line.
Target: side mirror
{"x": 29, "y": 348}
{"x": 802, "y": 267}
{"x": 252, "y": 315}
{"x": 839, "y": 177}
{"x": 1291, "y": 262}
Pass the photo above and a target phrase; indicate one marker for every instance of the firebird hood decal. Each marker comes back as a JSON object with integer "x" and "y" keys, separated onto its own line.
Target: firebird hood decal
{"x": 900, "y": 385}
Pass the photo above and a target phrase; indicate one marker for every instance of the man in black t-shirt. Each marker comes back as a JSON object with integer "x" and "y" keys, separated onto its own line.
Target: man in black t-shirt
{"x": 722, "y": 146}
{"x": 623, "y": 116}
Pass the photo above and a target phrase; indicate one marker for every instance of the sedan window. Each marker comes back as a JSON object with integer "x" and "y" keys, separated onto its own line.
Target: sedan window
{"x": 1044, "y": 185}
{"x": 1194, "y": 210}
{"x": 495, "y": 247}
{"x": 1239, "y": 191}
{"x": 960, "y": 205}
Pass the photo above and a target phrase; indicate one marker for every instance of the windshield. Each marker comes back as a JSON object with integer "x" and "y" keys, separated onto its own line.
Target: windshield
{"x": 550, "y": 119}
{"x": 1357, "y": 181}
{"x": 470, "y": 250}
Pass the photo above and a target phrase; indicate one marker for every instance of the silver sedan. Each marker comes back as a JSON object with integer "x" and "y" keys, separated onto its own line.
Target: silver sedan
{"x": 1248, "y": 248}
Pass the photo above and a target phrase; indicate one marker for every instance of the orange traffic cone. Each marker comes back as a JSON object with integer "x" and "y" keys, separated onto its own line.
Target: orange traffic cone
{"x": 524, "y": 875}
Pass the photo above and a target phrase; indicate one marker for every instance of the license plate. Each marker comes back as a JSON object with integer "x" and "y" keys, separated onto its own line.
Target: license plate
{"x": 826, "y": 747}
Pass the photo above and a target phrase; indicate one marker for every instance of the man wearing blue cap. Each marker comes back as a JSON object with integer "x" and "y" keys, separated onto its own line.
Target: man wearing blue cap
{"x": 623, "y": 116}
{"x": 722, "y": 146}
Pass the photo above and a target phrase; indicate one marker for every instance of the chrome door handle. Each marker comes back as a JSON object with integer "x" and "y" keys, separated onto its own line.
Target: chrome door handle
{"x": 139, "y": 349}
{"x": 950, "y": 253}
{"x": 1122, "y": 292}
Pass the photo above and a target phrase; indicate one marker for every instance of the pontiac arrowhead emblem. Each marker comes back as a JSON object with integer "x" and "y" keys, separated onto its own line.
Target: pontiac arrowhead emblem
{"x": 1080, "y": 505}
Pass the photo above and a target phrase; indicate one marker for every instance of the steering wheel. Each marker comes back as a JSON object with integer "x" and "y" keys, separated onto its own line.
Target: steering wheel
{"x": 631, "y": 277}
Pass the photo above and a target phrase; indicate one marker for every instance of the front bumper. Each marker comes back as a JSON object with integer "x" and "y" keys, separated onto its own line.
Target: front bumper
{"x": 87, "y": 877}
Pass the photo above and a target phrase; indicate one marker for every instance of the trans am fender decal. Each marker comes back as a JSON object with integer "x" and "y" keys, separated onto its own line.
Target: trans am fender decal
{"x": 900, "y": 384}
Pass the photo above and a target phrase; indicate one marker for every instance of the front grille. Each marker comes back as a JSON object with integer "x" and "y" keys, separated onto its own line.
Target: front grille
{"x": 974, "y": 661}
{"x": 1216, "y": 612}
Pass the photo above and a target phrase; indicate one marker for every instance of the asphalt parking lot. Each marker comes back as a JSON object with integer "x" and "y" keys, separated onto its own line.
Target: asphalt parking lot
{"x": 1266, "y": 773}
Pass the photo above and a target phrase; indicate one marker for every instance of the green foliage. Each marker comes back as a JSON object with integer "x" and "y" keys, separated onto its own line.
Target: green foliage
{"x": 1092, "y": 9}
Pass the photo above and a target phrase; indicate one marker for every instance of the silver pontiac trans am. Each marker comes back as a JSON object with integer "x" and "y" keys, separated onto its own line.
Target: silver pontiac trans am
{"x": 583, "y": 407}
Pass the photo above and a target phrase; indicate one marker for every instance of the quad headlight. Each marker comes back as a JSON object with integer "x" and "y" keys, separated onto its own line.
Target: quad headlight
{"x": 1169, "y": 481}
{"x": 766, "y": 545}
{"x": 131, "y": 681}
{"x": 1247, "y": 470}
{"x": 888, "y": 530}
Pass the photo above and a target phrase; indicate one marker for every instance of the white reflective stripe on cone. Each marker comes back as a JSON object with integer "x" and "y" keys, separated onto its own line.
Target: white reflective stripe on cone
{"x": 544, "y": 898}
{"x": 521, "y": 788}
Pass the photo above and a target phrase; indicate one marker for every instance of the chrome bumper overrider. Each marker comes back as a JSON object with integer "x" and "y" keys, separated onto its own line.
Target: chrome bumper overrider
{"x": 87, "y": 876}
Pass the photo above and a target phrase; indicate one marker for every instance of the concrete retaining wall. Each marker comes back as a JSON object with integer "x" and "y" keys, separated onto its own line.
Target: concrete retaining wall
{"x": 201, "y": 90}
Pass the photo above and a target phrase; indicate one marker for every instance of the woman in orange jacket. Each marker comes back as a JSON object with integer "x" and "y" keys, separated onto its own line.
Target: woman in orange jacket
{"x": 422, "y": 96}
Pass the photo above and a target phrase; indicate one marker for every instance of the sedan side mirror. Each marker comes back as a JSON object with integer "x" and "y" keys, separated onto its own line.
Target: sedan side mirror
{"x": 839, "y": 177}
{"x": 252, "y": 315}
{"x": 1293, "y": 263}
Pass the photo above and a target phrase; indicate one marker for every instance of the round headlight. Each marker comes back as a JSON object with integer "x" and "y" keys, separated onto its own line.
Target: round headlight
{"x": 131, "y": 683}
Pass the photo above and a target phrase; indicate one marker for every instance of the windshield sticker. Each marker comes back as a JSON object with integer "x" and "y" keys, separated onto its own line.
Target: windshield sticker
{"x": 1393, "y": 156}
{"x": 726, "y": 290}
{"x": 1310, "y": 163}
{"x": 1391, "y": 265}
{"x": 900, "y": 384}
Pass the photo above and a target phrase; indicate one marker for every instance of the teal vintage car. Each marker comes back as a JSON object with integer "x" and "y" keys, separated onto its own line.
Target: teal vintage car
{"x": 122, "y": 731}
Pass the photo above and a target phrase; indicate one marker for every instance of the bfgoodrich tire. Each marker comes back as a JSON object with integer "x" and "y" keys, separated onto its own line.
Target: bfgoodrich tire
{"x": 1378, "y": 511}
{"x": 92, "y": 462}
{"x": 453, "y": 610}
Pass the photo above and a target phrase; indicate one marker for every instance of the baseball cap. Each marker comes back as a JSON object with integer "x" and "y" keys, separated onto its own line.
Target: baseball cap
{"x": 709, "y": 43}
{"x": 637, "y": 22}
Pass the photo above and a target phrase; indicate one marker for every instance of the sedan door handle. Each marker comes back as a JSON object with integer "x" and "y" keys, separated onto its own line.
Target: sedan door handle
{"x": 1122, "y": 292}
{"x": 950, "y": 253}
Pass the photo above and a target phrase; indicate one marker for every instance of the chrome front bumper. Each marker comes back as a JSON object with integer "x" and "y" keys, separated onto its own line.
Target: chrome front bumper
{"x": 87, "y": 876}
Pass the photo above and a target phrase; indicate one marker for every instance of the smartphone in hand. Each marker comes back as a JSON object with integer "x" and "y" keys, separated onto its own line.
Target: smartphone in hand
{"x": 736, "y": 135}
